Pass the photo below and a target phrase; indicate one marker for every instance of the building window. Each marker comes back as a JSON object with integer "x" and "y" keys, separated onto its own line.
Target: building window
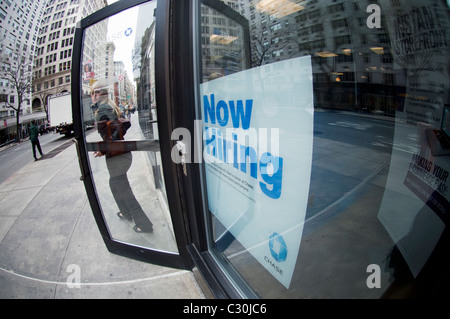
{"x": 345, "y": 39}
{"x": 277, "y": 53}
{"x": 389, "y": 79}
{"x": 342, "y": 23}
{"x": 275, "y": 27}
{"x": 336, "y": 8}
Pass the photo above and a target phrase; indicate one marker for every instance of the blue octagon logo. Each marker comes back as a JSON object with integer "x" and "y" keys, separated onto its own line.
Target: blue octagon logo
{"x": 128, "y": 32}
{"x": 278, "y": 247}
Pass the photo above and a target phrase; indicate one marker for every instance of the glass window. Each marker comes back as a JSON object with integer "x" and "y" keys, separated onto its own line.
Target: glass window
{"x": 121, "y": 128}
{"x": 326, "y": 156}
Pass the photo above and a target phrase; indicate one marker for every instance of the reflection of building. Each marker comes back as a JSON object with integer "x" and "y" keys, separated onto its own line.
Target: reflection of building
{"x": 109, "y": 64}
{"x": 54, "y": 47}
{"x": 352, "y": 66}
{"x": 146, "y": 79}
{"x": 145, "y": 82}
{"x": 123, "y": 88}
{"x": 222, "y": 41}
{"x": 143, "y": 62}
{"x": 99, "y": 64}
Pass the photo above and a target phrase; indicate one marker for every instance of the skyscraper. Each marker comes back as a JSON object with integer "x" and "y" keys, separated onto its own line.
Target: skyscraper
{"x": 55, "y": 46}
{"x": 19, "y": 26}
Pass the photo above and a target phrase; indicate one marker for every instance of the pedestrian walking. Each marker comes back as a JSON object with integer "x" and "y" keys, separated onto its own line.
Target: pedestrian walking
{"x": 34, "y": 138}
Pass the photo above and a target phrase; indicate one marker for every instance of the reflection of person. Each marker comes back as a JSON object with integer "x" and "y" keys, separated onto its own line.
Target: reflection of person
{"x": 118, "y": 163}
{"x": 34, "y": 133}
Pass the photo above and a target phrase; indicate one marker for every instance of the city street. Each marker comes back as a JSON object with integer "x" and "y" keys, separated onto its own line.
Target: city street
{"x": 348, "y": 151}
{"x": 16, "y": 157}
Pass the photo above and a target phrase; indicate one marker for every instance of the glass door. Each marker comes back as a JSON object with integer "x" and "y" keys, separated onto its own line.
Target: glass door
{"x": 117, "y": 113}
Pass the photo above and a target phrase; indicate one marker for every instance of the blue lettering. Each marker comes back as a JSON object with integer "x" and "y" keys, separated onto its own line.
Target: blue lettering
{"x": 235, "y": 152}
{"x": 209, "y": 110}
{"x": 249, "y": 152}
{"x": 222, "y": 120}
{"x": 239, "y": 113}
{"x": 210, "y": 140}
{"x": 226, "y": 146}
{"x": 270, "y": 166}
{"x": 274, "y": 178}
{"x": 219, "y": 143}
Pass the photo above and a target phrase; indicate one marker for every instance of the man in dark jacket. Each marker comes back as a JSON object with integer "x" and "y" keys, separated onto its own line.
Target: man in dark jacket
{"x": 34, "y": 133}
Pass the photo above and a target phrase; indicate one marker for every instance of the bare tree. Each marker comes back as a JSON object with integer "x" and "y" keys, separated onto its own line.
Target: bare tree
{"x": 264, "y": 45}
{"x": 258, "y": 49}
{"x": 19, "y": 75}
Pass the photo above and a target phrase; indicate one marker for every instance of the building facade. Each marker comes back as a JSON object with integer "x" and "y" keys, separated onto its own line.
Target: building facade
{"x": 19, "y": 26}
{"x": 52, "y": 64}
{"x": 349, "y": 63}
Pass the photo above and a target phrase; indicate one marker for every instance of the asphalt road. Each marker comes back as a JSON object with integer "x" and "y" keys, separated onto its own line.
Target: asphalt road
{"x": 349, "y": 150}
{"x": 16, "y": 157}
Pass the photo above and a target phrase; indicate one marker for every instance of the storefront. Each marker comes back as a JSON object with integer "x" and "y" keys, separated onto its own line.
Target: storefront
{"x": 286, "y": 149}
{"x": 8, "y": 129}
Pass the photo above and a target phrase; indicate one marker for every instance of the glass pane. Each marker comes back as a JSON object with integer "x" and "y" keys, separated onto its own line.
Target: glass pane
{"x": 119, "y": 114}
{"x": 223, "y": 45}
{"x": 354, "y": 99}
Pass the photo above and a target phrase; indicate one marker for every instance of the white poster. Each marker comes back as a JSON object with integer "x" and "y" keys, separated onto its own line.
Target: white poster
{"x": 258, "y": 139}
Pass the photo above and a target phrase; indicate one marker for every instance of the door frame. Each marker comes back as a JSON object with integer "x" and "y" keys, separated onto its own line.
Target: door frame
{"x": 181, "y": 260}
{"x": 222, "y": 279}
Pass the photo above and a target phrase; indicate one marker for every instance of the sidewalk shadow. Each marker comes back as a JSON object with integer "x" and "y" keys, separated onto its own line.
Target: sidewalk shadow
{"x": 56, "y": 150}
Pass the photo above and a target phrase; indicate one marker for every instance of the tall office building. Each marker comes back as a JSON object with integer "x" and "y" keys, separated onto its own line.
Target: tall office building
{"x": 55, "y": 46}
{"x": 19, "y": 26}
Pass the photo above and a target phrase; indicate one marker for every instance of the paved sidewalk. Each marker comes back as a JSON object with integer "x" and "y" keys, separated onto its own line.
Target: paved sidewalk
{"x": 48, "y": 236}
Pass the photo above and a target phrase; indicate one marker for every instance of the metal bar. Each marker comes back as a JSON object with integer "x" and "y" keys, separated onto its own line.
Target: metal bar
{"x": 123, "y": 146}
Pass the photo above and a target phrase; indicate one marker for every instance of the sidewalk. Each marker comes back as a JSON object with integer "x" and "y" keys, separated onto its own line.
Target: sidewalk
{"x": 48, "y": 236}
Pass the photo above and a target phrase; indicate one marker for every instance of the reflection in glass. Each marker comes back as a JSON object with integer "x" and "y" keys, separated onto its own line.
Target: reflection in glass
{"x": 378, "y": 190}
{"x": 118, "y": 95}
{"x": 223, "y": 45}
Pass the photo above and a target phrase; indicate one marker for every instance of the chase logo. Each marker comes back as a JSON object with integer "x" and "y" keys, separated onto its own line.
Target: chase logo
{"x": 128, "y": 32}
{"x": 278, "y": 247}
